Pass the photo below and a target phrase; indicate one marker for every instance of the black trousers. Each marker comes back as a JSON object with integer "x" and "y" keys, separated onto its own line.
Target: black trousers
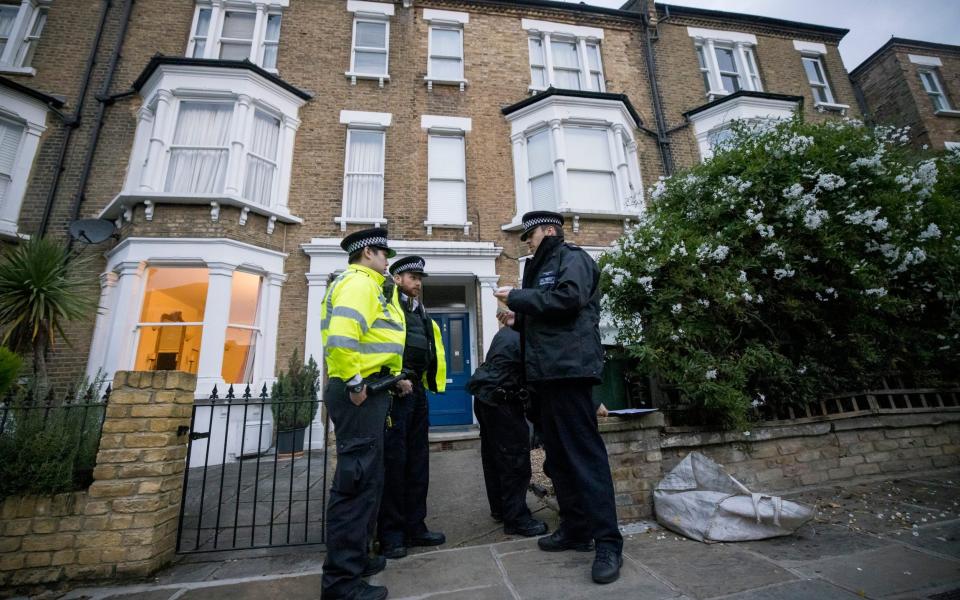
{"x": 356, "y": 488}
{"x": 403, "y": 508}
{"x": 505, "y": 453}
{"x": 576, "y": 461}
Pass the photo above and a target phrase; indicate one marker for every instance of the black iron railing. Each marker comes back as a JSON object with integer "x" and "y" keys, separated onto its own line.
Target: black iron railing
{"x": 256, "y": 476}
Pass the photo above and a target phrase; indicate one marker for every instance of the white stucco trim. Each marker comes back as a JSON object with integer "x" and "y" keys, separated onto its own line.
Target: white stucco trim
{"x": 927, "y": 61}
{"x": 32, "y": 115}
{"x": 743, "y": 107}
{"x": 552, "y": 28}
{"x": 364, "y": 118}
{"x": 364, "y": 6}
{"x": 722, "y": 36}
{"x": 464, "y": 124}
{"x": 448, "y": 16}
{"x": 809, "y": 47}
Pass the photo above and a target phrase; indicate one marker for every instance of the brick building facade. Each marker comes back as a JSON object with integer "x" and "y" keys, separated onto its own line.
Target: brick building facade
{"x": 916, "y": 84}
{"x": 239, "y": 140}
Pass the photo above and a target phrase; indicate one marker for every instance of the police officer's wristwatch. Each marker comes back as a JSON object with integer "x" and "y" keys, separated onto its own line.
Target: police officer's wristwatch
{"x": 355, "y": 385}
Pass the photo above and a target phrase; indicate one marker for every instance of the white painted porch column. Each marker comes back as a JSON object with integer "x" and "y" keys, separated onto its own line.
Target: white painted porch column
{"x": 120, "y": 322}
{"x": 520, "y": 172}
{"x": 162, "y": 133}
{"x": 488, "y": 311}
{"x": 316, "y": 292}
{"x": 620, "y": 162}
{"x": 237, "y": 161}
{"x": 288, "y": 134}
{"x": 107, "y": 304}
{"x": 266, "y": 359}
{"x": 559, "y": 163}
{"x": 215, "y": 317}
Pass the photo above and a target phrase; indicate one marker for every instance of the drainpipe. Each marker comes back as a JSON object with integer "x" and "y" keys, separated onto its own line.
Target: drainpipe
{"x": 663, "y": 140}
{"x": 105, "y": 100}
{"x": 73, "y": 122}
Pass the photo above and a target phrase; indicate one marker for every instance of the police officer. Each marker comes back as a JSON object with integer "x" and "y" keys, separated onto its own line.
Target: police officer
{"x": 403, "y": 509}
{"x": 558, "y": 315}
{"x": 362, "y": 333}
{"x": 497, "y": 385}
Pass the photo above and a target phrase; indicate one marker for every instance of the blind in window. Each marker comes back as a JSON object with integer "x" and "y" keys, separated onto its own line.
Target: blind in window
{"x": 363, "y": 196}
{"x": 589, "y": 169}
{"x": 540, "y": 167}
{"x": 447, "y": 186}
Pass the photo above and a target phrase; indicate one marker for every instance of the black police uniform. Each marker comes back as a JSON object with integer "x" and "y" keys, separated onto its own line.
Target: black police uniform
{"x": 558, "y": 317}
{"x": 403, "y": 508}
{"x": 504, "y": 435}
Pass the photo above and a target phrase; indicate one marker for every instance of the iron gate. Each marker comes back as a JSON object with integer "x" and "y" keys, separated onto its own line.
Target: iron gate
{"x": 239, "y": 491}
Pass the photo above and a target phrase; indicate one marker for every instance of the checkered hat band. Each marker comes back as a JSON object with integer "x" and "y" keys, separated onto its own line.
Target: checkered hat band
{"x": 417, "y": 266}
{"x": 541, "y": 221}
{"x": 371, "y": 241}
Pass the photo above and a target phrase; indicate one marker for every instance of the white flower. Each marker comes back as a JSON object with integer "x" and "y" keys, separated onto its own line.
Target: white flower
{"x": 932, "y": 231}
{"x": 717, "y": 254}
{"x": 658, "y": 188}
{"x": 765, "y": 231}
{"x": 753, "y": 217}
{"x": 704, "y": 302}
{"x": 830, "y": 182}
{"x": 647, "y": 283}
{"x": 793, "y": 192}
{"x": 747, "y": 297}
{"x": 802, "y": 369}
{"x": 779, "y": 274}
{"x": 679, "y": 248}
{"x": 676, "y": 308}
{"x": 742, "y": 278}
{"x": 711, "y": 373}
{"x": 812, "y": 259}
{"x": 878, "y": 292}
{"x": 775, "y": 249}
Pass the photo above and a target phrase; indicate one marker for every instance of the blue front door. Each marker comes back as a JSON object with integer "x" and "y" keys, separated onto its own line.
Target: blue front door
{"x": 454, "y": 407}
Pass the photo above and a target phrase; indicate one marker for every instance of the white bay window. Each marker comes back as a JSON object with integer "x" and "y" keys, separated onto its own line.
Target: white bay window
{"x": 20, "y": 28}
{"x": 726, "y": 60}
{"x": 23, "y": 115}
{"x": 237, "y": 30}
{"x": 564, "y": 56}
{"x": 214, "y": 136}
{"x": 576, "y": 156}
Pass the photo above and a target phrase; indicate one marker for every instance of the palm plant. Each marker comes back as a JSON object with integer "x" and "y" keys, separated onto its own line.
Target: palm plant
{"x": 41, "y": 287}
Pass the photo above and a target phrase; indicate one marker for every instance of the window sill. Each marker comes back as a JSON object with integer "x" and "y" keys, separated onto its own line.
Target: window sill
{"x": 462, "y": 83}
{"x": 824, "y": 106}
{"x": 10, "y": 234}
{"x": 431, "y": 225}
{"x": 344, "y": 221}
{"x": 18, "y": 70}
{"x": 122, "y": 205}
{"x": 948, "y": 113}
{"x": 353, "y": 77}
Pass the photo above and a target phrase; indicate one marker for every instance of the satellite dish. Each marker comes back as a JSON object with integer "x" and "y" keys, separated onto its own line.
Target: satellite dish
{"x": 92, "y": 231}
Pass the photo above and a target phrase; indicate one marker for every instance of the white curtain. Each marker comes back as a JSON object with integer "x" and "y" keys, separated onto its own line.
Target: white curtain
{"x": 10, "y": 134}
{"x": 590, "y": 180}
{"x": 363, "y": 197}
{"x": 262, "y": 159}
{"x": 447, "y": 188}
{"x": 540, "y": 166}
{"x": 566, "y": 64}
{"x": 199, "y": 153}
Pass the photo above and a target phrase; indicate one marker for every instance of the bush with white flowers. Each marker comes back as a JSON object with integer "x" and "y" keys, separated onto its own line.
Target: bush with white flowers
{"x": 802, "y": 259}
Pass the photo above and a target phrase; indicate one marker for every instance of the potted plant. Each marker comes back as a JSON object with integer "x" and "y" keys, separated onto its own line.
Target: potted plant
{"x": 294, "y": 403}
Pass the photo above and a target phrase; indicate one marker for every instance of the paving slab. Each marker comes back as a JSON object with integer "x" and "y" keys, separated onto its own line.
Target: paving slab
{"x": 813, "y": 542}
{"x": 151, "y": 595}
{"x": 943, "y": 538}
{"x": 809, "y": 589}
{"x": 306, "y": 587}
{"x": 703, "y": 570}
{"x": 570, "y": 577}
{"x": 887, "y": 571}
{"x": 444, "y": 571}
{"x": 271, "y": 565}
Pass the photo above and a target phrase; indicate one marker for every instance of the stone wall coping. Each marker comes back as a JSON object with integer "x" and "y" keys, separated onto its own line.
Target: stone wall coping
{"x": 648, "y": 421}
{"x": 675, "y": 437}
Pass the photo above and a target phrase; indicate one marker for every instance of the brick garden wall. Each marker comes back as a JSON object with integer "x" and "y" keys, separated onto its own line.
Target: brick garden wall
{"x": 125, "y": 524}
{"x": 780, "y": 457}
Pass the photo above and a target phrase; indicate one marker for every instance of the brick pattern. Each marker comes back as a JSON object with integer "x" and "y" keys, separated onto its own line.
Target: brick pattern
{"x": 894, "y": 94}
{"x": 125, "y": 524}
{"x": 782, "y": 457}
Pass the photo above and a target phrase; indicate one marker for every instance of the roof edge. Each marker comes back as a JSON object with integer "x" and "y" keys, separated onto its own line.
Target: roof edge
{"x": 552, "y": 91}
{"x": 54, "y": 101}
{"x": 159, "y": 59}
{"x": 839, "y": 32}
{"x": 895, "y": 41}
{"x": 743, "y": 94}
{"x": 565, "y": 7}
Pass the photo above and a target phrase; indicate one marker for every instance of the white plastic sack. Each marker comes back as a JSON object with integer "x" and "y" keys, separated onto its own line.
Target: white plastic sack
{"x": 702, "y": 501}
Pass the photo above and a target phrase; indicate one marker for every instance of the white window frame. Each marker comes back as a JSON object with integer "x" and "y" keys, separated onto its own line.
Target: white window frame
{"x": 710, "y": 123}
{"x": 817, "y": 52}
{"x": 742, "y": 46}
{"x": 449, "y": 21}
{"x": 22, "y": 41}
{"x": 248, "y": 91}
{"x": 823, "y": 85}
{"x": 31, "y": 114}
{"x": 546, "y": 32}
{"x": 123, "y": 283}
{"x": 369, "y": 12}
{"x": 557, "y": 112}
{"x": 363, "y": 121}
{"x": 261, "y": 8}
{"x": 935, "y": 91}
{"x": 435, "y": 126}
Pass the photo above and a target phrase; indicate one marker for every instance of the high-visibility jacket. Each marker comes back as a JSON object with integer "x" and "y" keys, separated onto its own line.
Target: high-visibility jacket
{"x": 435, "y": 375}
{"x": 361, "y": 330}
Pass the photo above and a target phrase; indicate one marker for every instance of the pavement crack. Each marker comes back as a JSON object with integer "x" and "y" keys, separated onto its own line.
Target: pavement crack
{"x": 503, "y": 574}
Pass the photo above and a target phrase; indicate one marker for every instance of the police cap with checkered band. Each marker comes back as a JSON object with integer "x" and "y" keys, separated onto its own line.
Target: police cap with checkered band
{"x": 536, "y": 218}
{"x": 409, "y": 264}
{"x": 375, "y": 236}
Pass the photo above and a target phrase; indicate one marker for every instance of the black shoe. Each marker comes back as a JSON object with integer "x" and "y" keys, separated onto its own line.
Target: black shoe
{"x": 427, "y": 538}
{"x": 365, "y": 591}
{"x": 375, "y": 564}
{"x": 496, "y": 517}
{"x": 528, "y": 528}
{"x": 393, "y": 552}
{"x": 560, "y": 540}
{"x": 606, "y": 565}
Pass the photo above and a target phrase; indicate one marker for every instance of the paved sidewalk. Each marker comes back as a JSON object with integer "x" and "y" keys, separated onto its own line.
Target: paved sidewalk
{"x": 882, "y": 539}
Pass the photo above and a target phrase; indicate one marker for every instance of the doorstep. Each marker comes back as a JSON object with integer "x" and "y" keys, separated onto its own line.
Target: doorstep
{"x": 454, "y": 437}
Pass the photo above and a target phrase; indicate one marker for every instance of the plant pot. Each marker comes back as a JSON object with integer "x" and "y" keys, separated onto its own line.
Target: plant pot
{"x": 290, "y": 441}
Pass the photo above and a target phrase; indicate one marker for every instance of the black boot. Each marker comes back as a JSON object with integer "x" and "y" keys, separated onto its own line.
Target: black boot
{"x": 528, "y": 528}
{"x": 375, "y": 564}
{"x": 427, "y": 538}
{"x": 606, "y": 565}
{"x": 561, "y": 540}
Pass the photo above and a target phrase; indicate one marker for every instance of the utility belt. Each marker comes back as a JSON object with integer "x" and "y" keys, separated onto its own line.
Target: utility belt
{"x": 510, "y": 395}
